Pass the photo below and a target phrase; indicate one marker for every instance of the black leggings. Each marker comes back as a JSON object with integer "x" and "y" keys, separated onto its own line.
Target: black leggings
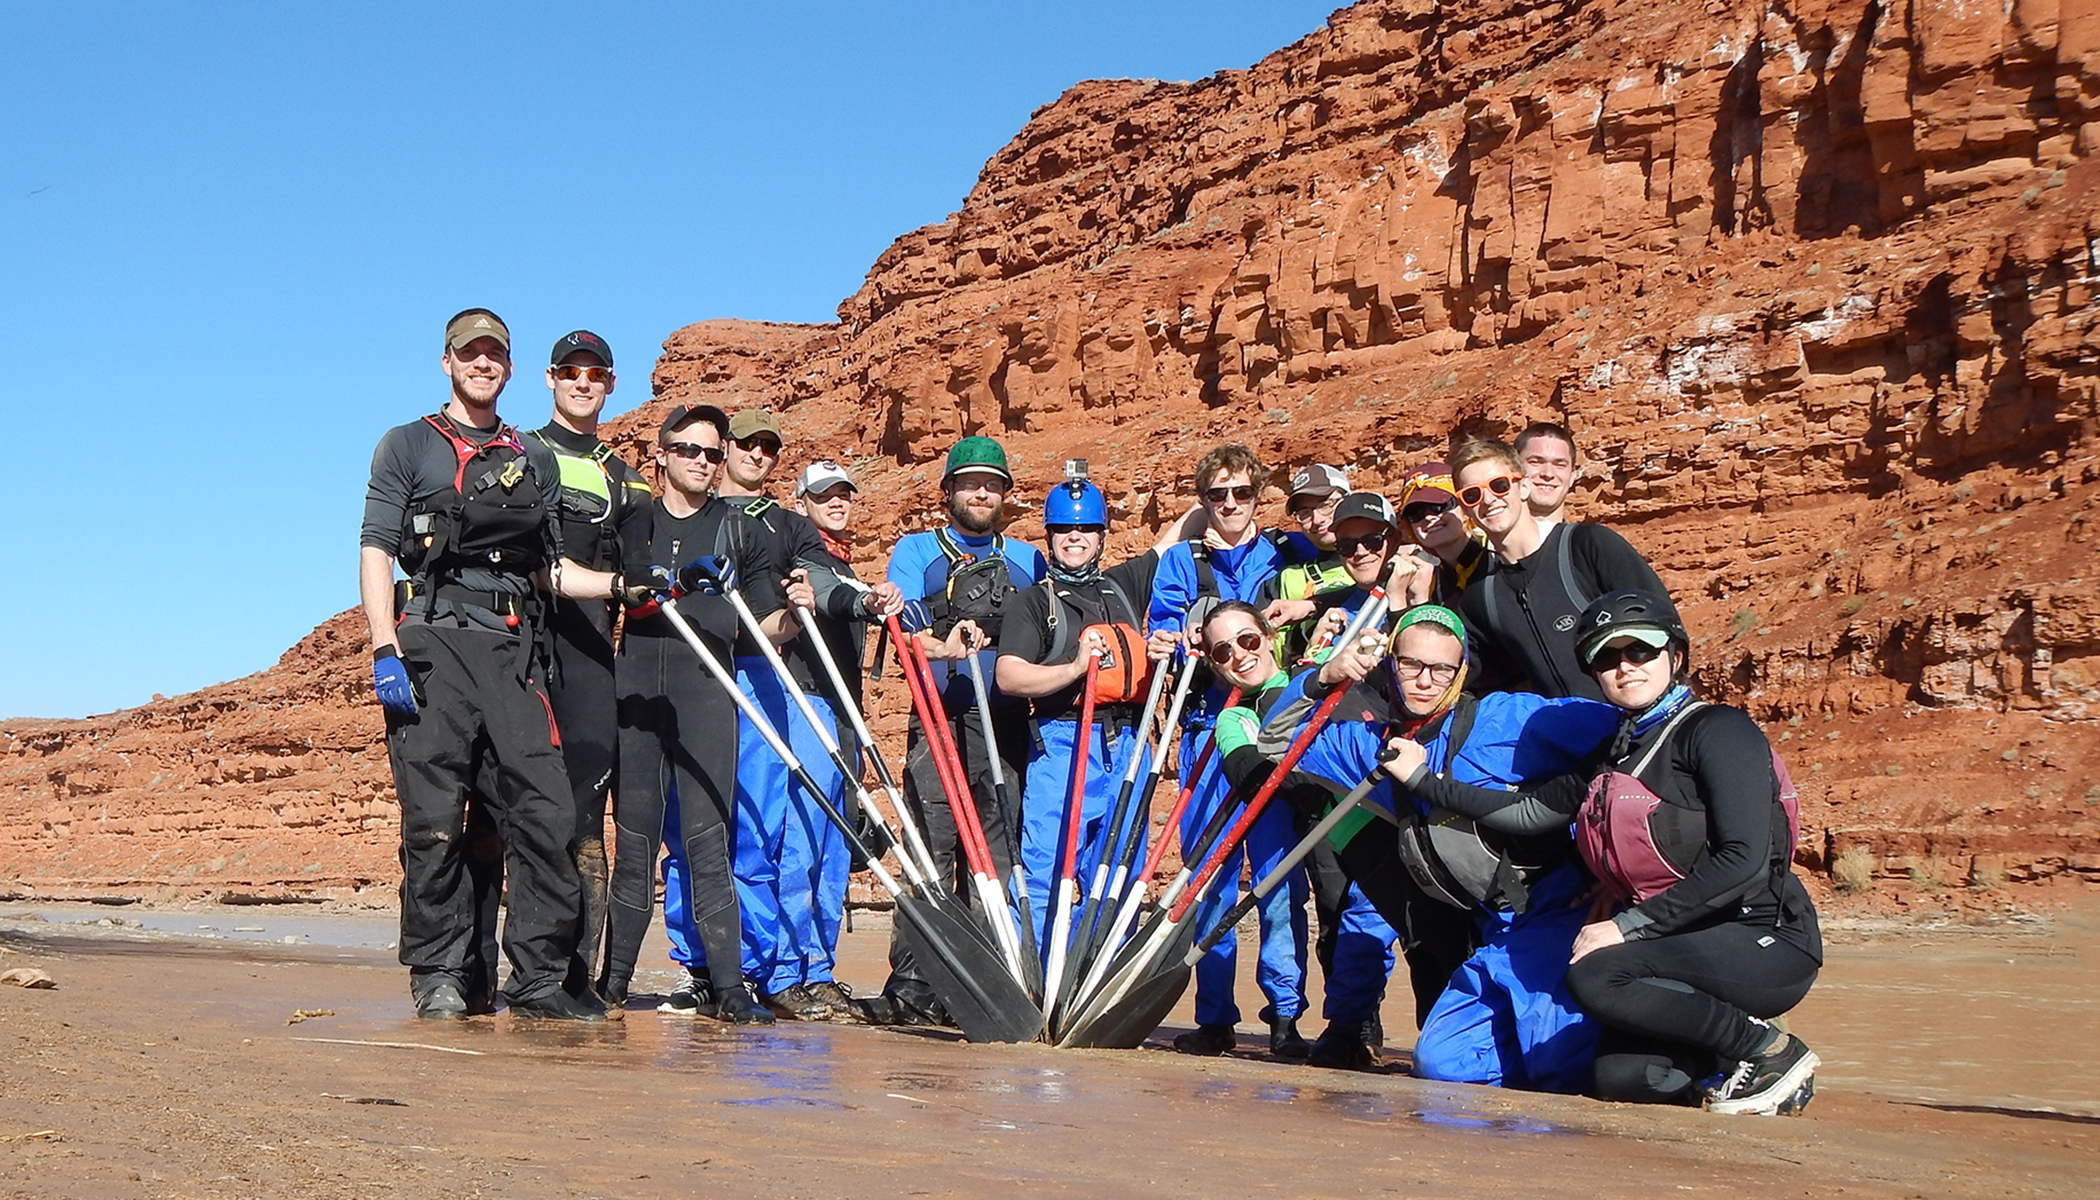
{"x": 1677, "y": 1008}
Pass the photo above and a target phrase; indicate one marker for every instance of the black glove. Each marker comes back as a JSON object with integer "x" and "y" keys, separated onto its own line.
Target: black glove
{"x": 646, "y": 592}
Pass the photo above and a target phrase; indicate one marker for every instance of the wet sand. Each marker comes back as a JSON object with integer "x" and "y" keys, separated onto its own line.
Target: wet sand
{"x": 163, "y": 1066}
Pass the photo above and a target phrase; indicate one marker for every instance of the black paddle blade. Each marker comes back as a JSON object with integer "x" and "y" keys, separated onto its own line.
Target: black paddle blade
{"x": 1126, "y": 1024}
{"x": 969, "y": 976}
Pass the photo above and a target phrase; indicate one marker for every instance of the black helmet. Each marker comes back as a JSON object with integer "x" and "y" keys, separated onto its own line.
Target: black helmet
{"x": 1622, "y": 613}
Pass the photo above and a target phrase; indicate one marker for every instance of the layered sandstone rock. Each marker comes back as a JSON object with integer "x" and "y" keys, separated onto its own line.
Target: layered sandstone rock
{"x": 1815, "y": 285}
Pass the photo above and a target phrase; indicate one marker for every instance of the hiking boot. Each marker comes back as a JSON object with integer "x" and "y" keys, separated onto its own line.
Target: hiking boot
{"x": 795, "y": 1003}
{"x": 1342, "y": 1047}
{"x": 693, "y": 998}
{"x": 1207, "y": 1040}
{"x": 441, "y": 1001}
{"x": 1761, "y": 1086}
{"x": 1285, "y": 1041}
{"x": 556, "y": 1005}
{"x": 738, "y": 1008}
{"x": 836, "y": 998}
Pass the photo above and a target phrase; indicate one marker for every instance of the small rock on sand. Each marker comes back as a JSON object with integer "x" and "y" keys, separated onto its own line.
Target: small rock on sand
{"x": 28, "y": 977}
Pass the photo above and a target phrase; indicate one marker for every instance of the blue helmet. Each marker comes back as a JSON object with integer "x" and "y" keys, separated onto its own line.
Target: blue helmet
{"x": 1075, "y": 502}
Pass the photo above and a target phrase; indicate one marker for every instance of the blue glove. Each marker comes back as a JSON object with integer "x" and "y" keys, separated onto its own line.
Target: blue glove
{"x": 708, "y": 575}
{"x": 914, "y": 616}
{"x": 390, "y": 683}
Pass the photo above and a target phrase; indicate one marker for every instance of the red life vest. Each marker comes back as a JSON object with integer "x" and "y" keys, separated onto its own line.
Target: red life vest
{"x": 1631, "y": 852}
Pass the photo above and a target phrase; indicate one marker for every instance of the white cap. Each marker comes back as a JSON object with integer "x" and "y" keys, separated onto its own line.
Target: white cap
{"x": 1318, "y": 479}
{"x": 822, "y": 476}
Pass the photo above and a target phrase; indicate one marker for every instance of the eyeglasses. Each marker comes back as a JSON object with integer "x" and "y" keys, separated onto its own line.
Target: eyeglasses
{"x": 1499, "y": 485}
{"x": 690, "y": 450}
{"x": 1609, "y": 658}
{"x": 1306, "y": 512}
{"x": 1374, "y": 542}
{"x": 1438, "y": 673}
{"x": 1222, "y": 652}
{"x": 758, "y": 445}
{"x": 1416, "y": 514}
{"x": 1243, "y": 493}
{"x": 571, "y": 372}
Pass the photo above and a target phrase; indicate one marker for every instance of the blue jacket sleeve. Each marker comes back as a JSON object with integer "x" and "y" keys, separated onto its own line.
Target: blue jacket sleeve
{"x": 1173, "y": 587}
{"x": 908, "y": 562}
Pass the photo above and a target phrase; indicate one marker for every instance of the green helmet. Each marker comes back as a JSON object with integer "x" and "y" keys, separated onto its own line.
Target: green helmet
{"x": 977, "y": 454}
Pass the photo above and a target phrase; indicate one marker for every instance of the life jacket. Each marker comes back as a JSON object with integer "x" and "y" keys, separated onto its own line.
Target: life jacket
{"x": 1452, "y": 857}
{"x": 1126, "y": 670}
{"x": 591, "y": 502}
{"x": 494, "y": 518}
{"x": 963, "y": 586}
{"x": 1637, "y": 844}
{"x": 1307, "y": 581}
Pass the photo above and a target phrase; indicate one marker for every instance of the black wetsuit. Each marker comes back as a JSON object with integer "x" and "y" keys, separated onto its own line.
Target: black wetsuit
{"x": 1521, "y": 615}
{"x": 679, "y": 728}
{"x": 1736, "y": 938}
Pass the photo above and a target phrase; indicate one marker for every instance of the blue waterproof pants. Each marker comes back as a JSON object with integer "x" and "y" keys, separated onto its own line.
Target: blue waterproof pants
{"x": 1044, "y": 803}
{"x": 1281, "y": 971}
{"x": 1507, "y": 1019}
{"x": 1363, "y": 958}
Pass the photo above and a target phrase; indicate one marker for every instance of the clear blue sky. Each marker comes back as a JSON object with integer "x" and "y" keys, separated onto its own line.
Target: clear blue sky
{"x": 233, "y": 232}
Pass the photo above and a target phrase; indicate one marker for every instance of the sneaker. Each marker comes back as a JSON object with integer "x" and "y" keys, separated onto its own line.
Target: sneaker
{"x": 1342, "y": 1046}
{"x": 693, "y": 998}
{"x": 1285, "y": 1041}
{"x": 738, "y": 1008}
{"x": 795, "y": 1003}
{"x": 556, "y": 1005}
{"x": 1207, "y": 1040}
{"x": 837, "y": 998}
{"x": 1765, "y": 1085}
{"x": 442, "y": 1001}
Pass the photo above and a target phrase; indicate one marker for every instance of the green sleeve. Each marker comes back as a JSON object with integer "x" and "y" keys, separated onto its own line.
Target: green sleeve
{"x": 1236, "y": 728}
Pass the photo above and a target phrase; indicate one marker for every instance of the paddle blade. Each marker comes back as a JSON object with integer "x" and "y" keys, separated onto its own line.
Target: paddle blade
{"x": 1126, "y": 1023}
{"x": 968, "y": 975}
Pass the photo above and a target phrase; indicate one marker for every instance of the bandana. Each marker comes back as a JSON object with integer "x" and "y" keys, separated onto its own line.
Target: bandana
{"x": 839, "y": 548}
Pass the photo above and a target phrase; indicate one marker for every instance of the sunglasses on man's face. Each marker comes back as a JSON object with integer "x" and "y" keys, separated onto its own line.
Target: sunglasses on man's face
{"x": 1374, "y": 542}
{"x": 692, "y": 450}
{"x": 1499, "y": 485}
{"x": 571, "y": 372}
{"x": 1222, "y": 652}
{"x": 1217, "y": 495}
{"x": 1637, "y": 653}
{"x": 758, "y": 445}
{"x": 1418, "y": 514}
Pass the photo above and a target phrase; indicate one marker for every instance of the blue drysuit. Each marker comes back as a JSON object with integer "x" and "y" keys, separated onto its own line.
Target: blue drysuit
{"x": 1043, "y": 827}
{"x": 1506, "y": 1017}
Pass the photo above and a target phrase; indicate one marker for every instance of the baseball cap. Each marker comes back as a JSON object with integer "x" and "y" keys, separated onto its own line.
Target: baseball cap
{"x": 1430, "y": 483}
{"x": 750, "y": 422}
{"x": 1369, "y": 505}
{"x": 584, "y": 340}
{"x": 686, "y": 414}
{"x": 822, "y": 476}
{"x": 1317, "y": 479}
{"x": 474, "y": 323}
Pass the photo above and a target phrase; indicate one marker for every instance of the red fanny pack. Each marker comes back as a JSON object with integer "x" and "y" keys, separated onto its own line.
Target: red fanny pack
{"x": 1616, "y": 828}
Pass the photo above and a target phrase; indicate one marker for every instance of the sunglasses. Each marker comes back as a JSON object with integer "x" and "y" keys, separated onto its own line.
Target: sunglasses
{"x": 1243, "y": 493}
{"x": 1438, "y": 673}
{"x": 1416, "y": 514}
{"x": 1499, "y": 485}
{"x": 1374, "y": 542}
{"x": 758, "y": 445}
{"x": 1609, "y": 658}
{"x": 1222, "y": 652}
{"x": 690, "y": 450}
{"x": 571, "y": 372}
{"x": 1054, "y": 530}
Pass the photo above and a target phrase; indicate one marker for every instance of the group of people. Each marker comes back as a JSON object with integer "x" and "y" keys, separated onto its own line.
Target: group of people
{"x": 1585, "y": 869}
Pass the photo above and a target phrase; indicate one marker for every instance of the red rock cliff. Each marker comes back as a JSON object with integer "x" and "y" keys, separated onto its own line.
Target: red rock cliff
{"x": 1813, "y": 283}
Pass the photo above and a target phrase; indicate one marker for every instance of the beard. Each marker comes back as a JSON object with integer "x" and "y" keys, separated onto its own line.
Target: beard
{"x": 969, "y": 522}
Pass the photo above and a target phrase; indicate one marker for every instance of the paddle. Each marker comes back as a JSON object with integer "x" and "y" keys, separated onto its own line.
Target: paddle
{"x": 1031, "y": 956}
{"x": 1068, "y": 863}
{"x": 961, "y": 968}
